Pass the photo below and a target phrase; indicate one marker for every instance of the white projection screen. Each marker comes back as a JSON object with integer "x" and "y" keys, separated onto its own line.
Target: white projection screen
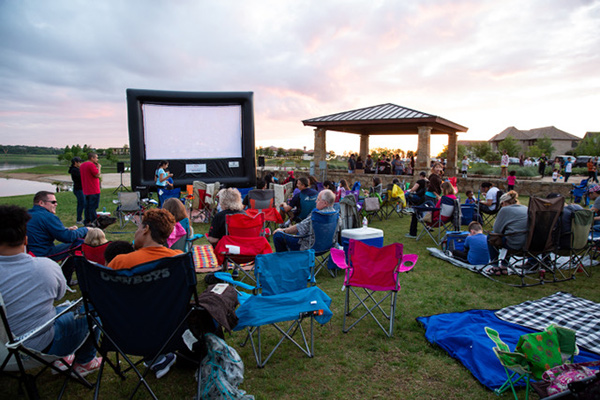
{"x": 175, "y": 132}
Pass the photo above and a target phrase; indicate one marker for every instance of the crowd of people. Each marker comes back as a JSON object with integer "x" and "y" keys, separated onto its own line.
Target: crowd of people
{"x": 32, "y": 279}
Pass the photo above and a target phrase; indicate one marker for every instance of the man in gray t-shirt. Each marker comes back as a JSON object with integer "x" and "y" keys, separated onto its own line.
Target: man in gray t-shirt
{"x": 29, "y": 287}
{"x": 594, "y": 195}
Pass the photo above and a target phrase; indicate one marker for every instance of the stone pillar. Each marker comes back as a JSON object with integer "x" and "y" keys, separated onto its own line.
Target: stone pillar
{"x": 364, "y": 146}
{"x": 451, "y": 162}
{"x": 320, "y": 153}
{"x": 423, "y": 149}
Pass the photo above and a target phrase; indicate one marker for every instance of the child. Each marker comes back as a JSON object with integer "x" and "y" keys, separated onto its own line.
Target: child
{"x": 115, "y": 248}
{"x": 470, "y": 199}
{"x": 476, "y": 247}
{"x": 554, "y": 175}
{"x": 95, "y": 237}
{"x": 511, "y": 180}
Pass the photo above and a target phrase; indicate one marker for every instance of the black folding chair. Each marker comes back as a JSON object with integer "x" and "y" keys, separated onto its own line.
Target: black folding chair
{"x": 140, "y": 311}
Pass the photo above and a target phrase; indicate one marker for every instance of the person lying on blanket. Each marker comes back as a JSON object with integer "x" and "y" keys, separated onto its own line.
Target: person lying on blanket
{"x": 476, "y": 248}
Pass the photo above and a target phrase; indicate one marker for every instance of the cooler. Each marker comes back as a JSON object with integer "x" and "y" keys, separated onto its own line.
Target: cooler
{"x": 370, "y": 236}
{"x": 455, "y": 240}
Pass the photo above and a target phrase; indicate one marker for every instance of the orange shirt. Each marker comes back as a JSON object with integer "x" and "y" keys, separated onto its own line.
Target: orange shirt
{"x": 145, "y": 254}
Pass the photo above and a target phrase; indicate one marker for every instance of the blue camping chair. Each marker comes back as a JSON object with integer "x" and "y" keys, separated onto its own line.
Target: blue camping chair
{"x": 469, "y": 214}
{"x": 324, "y": 225}
{"x": 284, "y": 292}
{"x": 356, "y": 186}
{"x": 578, "y": 192}
{"x": 140, "y": 311}
{"x": 164, "y": 194}
{"x": 307, "y": 204}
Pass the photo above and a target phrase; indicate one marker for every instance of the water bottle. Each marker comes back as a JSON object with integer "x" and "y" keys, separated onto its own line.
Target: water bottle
{"x": 365, "y": 222}
{"x": 103, "y": 209}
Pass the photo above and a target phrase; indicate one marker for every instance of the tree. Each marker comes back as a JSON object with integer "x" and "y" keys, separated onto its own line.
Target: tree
{"x": 280, "y": 152}
{"x": 460, "y": 153}
{"x": 511, "y": 145}
{"x": 589, "y": 146}
{"x": 481, "y": 149}
{"x": 545, "y": 144}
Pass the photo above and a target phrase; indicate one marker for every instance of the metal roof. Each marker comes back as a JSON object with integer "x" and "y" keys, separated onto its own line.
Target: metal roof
{"x": 383, "y": 119}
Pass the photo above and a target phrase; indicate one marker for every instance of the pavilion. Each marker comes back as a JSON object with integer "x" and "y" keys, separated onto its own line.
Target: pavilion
{"x": 389, "y": 119}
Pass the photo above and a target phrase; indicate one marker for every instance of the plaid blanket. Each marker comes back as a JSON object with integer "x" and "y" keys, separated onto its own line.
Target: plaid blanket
{"x": 562, "y": 309}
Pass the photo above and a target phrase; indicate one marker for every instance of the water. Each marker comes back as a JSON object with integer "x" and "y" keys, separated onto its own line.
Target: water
{"x": 17, "y": 187}
{"x": 8, "y": 166}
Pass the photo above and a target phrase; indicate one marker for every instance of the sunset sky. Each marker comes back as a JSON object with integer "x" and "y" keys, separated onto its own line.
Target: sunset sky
{"x": 486, "y": 65}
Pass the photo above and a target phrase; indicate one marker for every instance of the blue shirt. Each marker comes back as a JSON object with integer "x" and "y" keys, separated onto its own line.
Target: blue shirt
{"x": 44, "y": 228}
{"x": 477, "y": 249}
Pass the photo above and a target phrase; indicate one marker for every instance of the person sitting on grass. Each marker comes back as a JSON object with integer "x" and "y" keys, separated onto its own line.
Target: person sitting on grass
{"x": 45, "y": 227}
{"x": 476, "y": 249}
{"x": 302, "y": 236}
{"x": 29, "y": 287}
{"x": 149, "y": 243}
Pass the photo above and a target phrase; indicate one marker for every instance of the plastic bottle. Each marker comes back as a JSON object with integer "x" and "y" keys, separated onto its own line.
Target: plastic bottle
{"x": 103, "y": 209}
{"x": 365, "y": 222}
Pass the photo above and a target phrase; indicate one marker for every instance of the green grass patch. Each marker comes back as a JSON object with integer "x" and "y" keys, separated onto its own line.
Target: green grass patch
{"x": 361, "y": 364}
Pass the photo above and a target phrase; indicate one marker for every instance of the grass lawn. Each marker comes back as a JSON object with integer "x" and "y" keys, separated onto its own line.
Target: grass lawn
{"x": 362, "y": 364}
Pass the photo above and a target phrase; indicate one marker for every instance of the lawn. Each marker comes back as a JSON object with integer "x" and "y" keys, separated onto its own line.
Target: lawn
{"x": 361, "y": 364}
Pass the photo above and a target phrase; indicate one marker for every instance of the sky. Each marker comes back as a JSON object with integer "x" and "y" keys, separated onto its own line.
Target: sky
{"x": 65, "y": 64}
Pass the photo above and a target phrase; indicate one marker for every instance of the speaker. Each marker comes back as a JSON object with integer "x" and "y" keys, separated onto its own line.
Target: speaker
{"x": 261, "y": 161}
{"x": 121, "y": 167}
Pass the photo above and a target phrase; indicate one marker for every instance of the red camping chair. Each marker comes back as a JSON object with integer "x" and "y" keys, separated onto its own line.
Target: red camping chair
{"x": 377, "y": 271}
{"x": 245, "y": 239}
{"x": 95, "y": 253}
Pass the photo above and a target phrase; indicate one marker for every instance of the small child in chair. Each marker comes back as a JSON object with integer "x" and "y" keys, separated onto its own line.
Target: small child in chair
{"x": 476, "y": 247}
{"x": 470, "y": 199}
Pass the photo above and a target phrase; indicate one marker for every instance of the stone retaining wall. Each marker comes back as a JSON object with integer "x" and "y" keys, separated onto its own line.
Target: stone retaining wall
{"x": 525, "y": 186}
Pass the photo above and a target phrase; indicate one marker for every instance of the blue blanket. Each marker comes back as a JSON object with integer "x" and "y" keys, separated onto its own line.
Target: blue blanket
{"x": 463, "y": 337}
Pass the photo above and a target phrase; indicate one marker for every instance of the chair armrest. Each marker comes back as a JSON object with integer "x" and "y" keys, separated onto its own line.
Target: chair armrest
{"x": 339, "y": 258}
{"x": 224, "y": 276}
{"x": 408, "y": 262}
{"x": 42, "y": 328}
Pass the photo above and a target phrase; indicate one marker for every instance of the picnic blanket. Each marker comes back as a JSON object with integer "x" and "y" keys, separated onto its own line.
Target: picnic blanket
{"x": 562, "y": 262}
{"x": 563, "y": 309}
{"x": 463, "y": 337}
{"x": 205, "y": 259}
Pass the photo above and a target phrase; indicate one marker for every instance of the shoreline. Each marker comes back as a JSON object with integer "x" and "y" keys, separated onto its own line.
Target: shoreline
{"x": 108, "y": 180}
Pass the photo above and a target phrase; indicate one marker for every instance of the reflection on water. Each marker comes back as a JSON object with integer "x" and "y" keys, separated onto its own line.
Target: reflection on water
{"x": 8, "y": 166}
{"x": 17, "y": 187}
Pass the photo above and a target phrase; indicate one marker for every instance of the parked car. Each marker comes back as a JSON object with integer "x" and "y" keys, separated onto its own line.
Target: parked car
{"x": 581, "y": 161}
{"x": 513, "y": 160}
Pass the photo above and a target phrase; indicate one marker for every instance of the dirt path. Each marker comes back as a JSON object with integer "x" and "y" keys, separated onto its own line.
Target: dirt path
{"x": 108, "y": 180}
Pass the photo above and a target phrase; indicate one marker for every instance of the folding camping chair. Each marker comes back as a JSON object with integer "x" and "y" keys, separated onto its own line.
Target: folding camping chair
{"x": 443, "y": 219}
{"x": 185, "y": 243}
{"x": 165, "y": 194}
{"x": 95, "y": 253}
{"x": 488, "y": 217}
{"x": 377, "y": 272}
{"x": 534, "y": 354}
{"x": 264, "y": 201}
{"x": 140, "y": 311}
{"x": 16, "y": 359}
{"x": 245, "y": 239}
{"x": 129, "y": 208}
{"x": 535, "y": 257}
{"x": 325, "y": 227}
{"x": 284, "y": 292}
{"x": 579, "y": 191}
{"x": 575, "y": 243}
{"x": 394, "y": 202}
{"x": 204, "y": 199}
{"x": 349, "y": 212}
{"x": 372, "y": 208}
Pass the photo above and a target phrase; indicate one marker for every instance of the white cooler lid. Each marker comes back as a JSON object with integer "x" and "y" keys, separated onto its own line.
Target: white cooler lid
{"x": 362, "y": 233}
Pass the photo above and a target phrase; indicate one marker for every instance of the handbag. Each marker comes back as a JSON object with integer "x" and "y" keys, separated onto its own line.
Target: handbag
{"x": 559, "y": 377}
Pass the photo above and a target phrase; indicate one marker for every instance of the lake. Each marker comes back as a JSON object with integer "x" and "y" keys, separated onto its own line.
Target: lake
{"x": 17, "y": 187}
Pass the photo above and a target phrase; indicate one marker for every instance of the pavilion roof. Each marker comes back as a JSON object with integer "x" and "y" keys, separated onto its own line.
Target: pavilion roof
{"x": 384, "y": 119}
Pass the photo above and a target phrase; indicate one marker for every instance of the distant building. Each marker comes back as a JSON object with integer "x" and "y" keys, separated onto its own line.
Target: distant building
{"x": 561, "y": 140}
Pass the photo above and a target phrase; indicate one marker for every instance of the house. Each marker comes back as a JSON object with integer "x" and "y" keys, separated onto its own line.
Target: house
{"x": 561, "y": 140}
